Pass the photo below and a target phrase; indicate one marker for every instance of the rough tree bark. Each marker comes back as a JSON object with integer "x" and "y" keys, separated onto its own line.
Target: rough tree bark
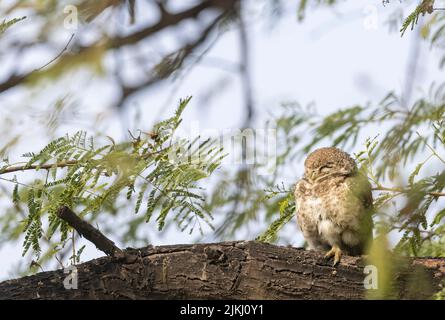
{"x": 228, "y": 270}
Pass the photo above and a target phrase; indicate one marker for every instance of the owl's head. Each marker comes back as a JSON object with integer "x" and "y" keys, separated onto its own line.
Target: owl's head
{"x": 328, "y": 161}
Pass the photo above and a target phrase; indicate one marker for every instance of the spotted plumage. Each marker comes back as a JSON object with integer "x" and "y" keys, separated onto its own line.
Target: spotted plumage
{"x": 334, "y": 204}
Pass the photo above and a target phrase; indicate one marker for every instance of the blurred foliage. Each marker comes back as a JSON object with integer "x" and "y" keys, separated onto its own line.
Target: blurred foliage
{"x": 156, "y": 171}
{"x": 426, "y": 6}
{"x": 384, "y": 261}
{"x": 8, "y": 23}
{"x": 304, "y": 5}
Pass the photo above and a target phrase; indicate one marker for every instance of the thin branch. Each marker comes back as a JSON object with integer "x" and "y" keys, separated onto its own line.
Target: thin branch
{"x": 431, "y": 148}
{"x": 405, "y": 190}
{"x": 63, "y": 164}
{"x": 15, "y": 79}
{"x": 58, "y": 56}
{"x": 48, "y": 166}
{"x": 170, "y": 63}
{"x": 88, "y": 231}
{"x": 166, "y": 20}
{"x": 245, "y": 69}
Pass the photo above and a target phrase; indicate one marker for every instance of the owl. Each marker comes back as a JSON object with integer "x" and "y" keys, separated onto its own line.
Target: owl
{"x": 334, "y": 204}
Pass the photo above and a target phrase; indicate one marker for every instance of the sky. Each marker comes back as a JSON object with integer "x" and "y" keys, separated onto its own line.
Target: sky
{"x": 335, "y": 59}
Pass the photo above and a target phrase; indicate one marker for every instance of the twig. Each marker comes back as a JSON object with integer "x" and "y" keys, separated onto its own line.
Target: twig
{"x": 58, "y": 56}
{"x": 88, "y": 231}
{"x": 178, "y": 58}
{"x": 405, "y": 190}
{"x": 61, "y": 164}
{"x": 431, "y": 148}
{"x": 245, "y": 69}
{"x": 17, "y": 79}
{"x": 48, "y": 166}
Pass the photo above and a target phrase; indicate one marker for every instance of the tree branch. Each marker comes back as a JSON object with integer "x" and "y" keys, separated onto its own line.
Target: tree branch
{"x": 47, "y": 166}
{"x": 18, "y": 79}
{"x": 61, "y": 164}
{"x": 245, "y": 71}
{"x": 170, "y": 63}
{"x": 227, "y": 270}
{"x": 167, "y": 20}
{"x": 405, "y": 190}
{"x": 88, "y": 231}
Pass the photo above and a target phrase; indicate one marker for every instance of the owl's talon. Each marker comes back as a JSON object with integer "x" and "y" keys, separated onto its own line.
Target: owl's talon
{"x": 337, "y": 258}
{"x": 336, "y": 253}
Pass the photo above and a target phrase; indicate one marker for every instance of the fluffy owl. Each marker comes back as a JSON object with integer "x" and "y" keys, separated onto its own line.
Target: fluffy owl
{"x": 334, "y": 204}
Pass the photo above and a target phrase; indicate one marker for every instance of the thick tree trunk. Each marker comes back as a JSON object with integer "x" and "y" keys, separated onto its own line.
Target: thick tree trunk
{"x": 229, "y": 270}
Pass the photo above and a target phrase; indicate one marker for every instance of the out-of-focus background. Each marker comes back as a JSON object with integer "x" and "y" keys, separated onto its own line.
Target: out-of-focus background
{"x": 238, "y": 71}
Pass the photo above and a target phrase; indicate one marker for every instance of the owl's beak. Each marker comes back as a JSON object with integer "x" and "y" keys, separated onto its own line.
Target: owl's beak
{"x": 313, "y": 175}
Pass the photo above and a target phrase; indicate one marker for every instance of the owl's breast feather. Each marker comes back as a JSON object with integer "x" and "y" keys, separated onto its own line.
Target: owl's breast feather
{"x": 328, "y": 200}
{"x": 315, "y": 205}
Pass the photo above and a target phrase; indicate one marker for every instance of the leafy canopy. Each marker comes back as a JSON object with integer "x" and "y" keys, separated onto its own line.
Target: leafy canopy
{"x": 157, "y": 172}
